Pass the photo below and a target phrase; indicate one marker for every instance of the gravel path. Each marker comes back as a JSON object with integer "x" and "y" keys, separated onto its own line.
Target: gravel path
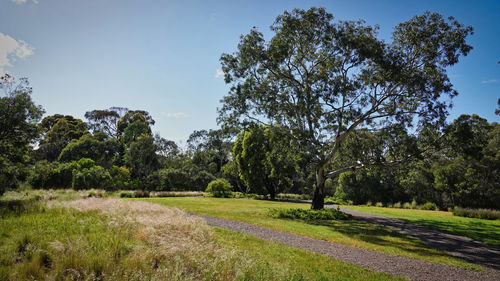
{"x": 458, "y": 246}
{"x": 399, "y": 266}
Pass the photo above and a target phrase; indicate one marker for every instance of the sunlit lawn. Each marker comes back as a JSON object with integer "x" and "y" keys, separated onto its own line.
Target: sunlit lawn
{"x": 487, "y": 231}
{"x": 351, "y": 232}
{"x": 40, "y": 243}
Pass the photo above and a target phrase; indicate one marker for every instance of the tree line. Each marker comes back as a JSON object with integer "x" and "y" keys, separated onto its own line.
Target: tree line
{"x": 322, "y": 108}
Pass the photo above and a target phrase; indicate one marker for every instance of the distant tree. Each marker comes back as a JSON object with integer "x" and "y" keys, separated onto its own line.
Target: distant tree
{"x": 104, "y": 121}
{"x": 323, "y": 80}
{"x": 141, "y": 158}
{"x": 96, "y": 147}
{"x": 19, "y": 116}
{"x": 497, "y": 111}
{"x": 265, "y": 161}
{"x": 59, "y": 130}
{"x": 213, "y": 140}
{"x": 132, "y": 116}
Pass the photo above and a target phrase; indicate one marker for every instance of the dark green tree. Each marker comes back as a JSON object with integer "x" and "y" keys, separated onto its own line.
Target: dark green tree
{"x": 19, "y": 116}
{"x": 322, "y": 80}
{"x": 266, "y": 163}
{"x": 59, "y": 130}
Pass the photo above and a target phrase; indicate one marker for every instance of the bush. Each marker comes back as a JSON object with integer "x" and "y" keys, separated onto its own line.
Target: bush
{"x": 369, "y": 203}
{"x": 407, "y": 205}
{"x": 379, "y": 204}
{"x": 334, "y": 200}
{"x": 429, "y": 206}
{"x": 397, "y": 205}
{"x": 293, "y": 196}
{"x": 176, "y": 194}
{"x": 308, "y": 214}
{"x": 414, "y": 204}
{"x": 245, "y": 195}
{"x": 220, "y": 188}
{"x": 487, "y": 214}
{"x": 93, "y": 177}
{"x": 389, "y": 205}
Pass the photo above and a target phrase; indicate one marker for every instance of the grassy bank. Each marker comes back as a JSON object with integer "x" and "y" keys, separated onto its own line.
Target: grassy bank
{"x": 350, "y": 232}
{"x": 43, "y": 238}
{"x": 487, "y": 231}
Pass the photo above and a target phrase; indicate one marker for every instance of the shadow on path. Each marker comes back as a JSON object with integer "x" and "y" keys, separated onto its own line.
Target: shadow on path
{"x": 458, "y": 246}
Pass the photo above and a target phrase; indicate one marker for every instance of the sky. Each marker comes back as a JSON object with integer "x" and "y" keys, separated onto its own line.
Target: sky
{"x": 163, "y": 56}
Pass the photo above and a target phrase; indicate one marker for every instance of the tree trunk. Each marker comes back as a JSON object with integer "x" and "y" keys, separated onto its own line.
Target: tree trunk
{"x": 318, "y": 201}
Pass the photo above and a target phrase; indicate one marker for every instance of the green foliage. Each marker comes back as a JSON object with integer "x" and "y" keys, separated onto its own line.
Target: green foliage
{"x": 334, "y": 200}
{"x": 92, "y": 177}
{"x": 321, "y": 80}
{"x": 59, "y": 131}
{"x": 90, "y": 146}
{"x": 141, "y": 158}
{"x": 487, "y": 214}
{"x": 19, "y": 116}
{"x": 265, "y": 159}
{"x": 293, "y": 196}
{"x": 231, "y": 174}
{"x": 406, "y": 205}
{"x": 397, "y": 205}
{"x": 308, "y": 214}
{"x": 220, "y": 188}
{"x": 120, "y": 177}
{"x": 379, "y": 204}
{"x": 429, "y": 206}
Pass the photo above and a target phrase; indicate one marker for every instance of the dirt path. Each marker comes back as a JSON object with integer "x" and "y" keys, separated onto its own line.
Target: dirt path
{"x": 399, "y": 266}
{"x": 458, "y": 246}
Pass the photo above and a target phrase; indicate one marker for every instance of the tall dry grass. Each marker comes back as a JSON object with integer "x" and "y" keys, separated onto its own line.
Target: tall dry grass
{"x": 172, "y": 245}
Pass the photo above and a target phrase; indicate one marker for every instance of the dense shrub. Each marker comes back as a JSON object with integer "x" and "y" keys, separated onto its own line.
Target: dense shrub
{"x": 487, "y": 214}
{"x": 245, "y": 195}
{"x": 176, "y": 194}
{"x": 334, "y": 200}
{"x": 93, "y": 177}
{"x": 379, "y": 204}
{"x": 220, "y": 188}
{"x": 293, "y": 196}
{"x": 308, "y": 214}
{"x": 407, "y": 205}
{"x": 429, "y": 206}
{"x": 120, "y": 177}
{"x": 397, "y": 205}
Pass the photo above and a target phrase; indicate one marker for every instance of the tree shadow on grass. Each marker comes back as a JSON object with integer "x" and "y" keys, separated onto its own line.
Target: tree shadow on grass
{"x": 476, "y": 230}
{"x": 379, "y": 236}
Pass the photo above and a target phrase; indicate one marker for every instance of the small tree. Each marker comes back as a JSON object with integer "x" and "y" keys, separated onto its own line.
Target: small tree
{"x": 220, "y": 188}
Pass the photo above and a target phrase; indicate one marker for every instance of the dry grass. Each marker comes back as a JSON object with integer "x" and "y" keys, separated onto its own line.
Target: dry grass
{"x": 174, "y": 246}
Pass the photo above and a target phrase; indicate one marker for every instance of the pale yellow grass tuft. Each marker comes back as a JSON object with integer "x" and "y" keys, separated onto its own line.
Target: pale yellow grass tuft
{"x": 176, "y": 246}
{"x": 170, "y": 230}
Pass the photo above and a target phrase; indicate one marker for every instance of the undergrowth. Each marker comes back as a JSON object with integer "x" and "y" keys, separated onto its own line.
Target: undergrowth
{"x": 307, "y": 214}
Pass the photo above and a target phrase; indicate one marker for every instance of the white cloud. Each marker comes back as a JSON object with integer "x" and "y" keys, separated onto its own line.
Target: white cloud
{"x": 23, "y": 1}
{"x": 176, "y": 115}
{"x": 12, "y": 49}
{"x": 219, "y": 73}
{"x": 489, "y": 81}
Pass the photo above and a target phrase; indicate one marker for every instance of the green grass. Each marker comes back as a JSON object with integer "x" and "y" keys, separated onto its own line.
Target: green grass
{"x": 487, "y": 231}
{"x": 301, "y": 264}
{"x": 38, "y": 242}
{"x": 54, "y": 243}
{"x": 350, "y": 232}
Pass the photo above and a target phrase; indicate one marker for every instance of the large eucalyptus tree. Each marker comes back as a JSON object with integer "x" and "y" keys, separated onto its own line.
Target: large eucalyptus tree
{"x": 323, "y": 80}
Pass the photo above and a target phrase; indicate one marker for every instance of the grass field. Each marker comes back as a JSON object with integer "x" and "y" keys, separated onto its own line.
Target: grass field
{"x": 112, "y": 239}
{"x": 351, "y": 232}
{"x": 487, "y": 231}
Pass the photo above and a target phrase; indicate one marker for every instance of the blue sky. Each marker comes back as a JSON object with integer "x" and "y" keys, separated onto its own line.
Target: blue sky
{"x": 163, "y": 56}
